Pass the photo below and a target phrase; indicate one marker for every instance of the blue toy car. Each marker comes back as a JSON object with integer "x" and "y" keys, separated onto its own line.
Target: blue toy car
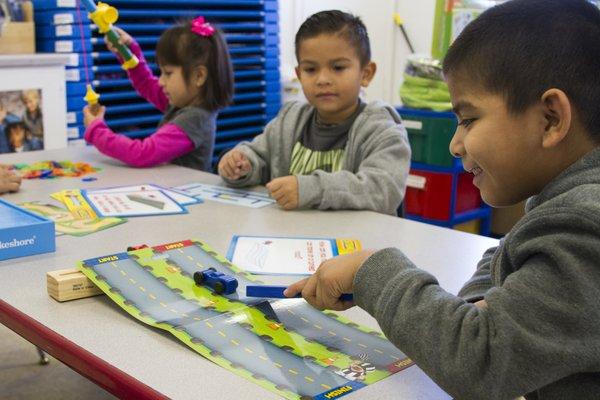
{"x": 218, "y": 281}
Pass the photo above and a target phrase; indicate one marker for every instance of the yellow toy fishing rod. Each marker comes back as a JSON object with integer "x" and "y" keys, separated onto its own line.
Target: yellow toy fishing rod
{"x": 104, "y": 16}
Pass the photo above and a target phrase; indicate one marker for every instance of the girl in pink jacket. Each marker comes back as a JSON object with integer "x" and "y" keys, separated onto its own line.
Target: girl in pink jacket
{"x": 196, "y": 80}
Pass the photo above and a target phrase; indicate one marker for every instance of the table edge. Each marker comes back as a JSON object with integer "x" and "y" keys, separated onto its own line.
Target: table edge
{"x": 77, "y": 358}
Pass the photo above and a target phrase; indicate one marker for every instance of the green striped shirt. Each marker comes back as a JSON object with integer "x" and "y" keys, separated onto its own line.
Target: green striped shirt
{"x": 305, "y": 160}
{"x": 322, "y": 146}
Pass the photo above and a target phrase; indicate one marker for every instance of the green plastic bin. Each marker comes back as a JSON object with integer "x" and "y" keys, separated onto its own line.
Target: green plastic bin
{"x": 429, "y": 134}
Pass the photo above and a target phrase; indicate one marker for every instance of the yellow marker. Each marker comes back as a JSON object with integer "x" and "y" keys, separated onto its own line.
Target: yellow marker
{"x": 398, "y": 19}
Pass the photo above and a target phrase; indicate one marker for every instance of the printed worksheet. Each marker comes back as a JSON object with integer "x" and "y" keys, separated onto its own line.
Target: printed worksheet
{"x": 227, "y": 195}
{"x": 181, "y": 198}
{"x": 133, "y": 203}
{"x": 282, "y": 256}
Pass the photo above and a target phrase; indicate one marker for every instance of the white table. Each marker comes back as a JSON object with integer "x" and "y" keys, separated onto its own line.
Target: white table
{"x": 99, "y": 340}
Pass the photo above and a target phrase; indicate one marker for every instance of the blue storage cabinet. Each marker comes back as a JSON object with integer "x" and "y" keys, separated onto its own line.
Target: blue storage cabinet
{"x": 251, "y": 29}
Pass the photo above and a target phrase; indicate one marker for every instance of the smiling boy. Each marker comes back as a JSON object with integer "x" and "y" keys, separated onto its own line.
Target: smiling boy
{"x": 525, "y": 86}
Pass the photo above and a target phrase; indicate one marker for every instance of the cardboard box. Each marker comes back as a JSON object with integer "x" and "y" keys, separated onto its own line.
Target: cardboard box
{"x": 23, "y": 233}
{"x": 17, "y": 38}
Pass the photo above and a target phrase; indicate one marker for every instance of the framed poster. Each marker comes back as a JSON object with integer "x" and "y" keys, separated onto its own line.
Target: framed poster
{"x": 21, "y": 120}
{"x": 33, "y": 103}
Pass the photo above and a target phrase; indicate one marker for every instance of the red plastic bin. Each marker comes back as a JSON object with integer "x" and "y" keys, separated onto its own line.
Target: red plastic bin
{"x": 433, "y": 200}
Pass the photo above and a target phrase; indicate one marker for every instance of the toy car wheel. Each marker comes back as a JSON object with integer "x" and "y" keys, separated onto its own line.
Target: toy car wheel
{"x": 213, "y": 269}
{"x": 198, "y": 278}
{"x": 219, "y": 287}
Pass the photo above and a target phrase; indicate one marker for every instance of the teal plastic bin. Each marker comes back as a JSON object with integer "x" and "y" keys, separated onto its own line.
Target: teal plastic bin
{"x": 429, "y": 134}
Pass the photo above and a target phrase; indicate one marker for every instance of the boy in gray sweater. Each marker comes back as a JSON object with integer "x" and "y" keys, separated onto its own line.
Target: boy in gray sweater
{"x": 334, "y": 152}
{"x": 525, "y": 86}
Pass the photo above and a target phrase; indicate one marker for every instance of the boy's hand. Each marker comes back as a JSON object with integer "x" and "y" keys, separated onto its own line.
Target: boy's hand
{"x": 9, "y": 181}
{"x": 285, "y": 191}
{"x": 89, "y": 117}
{"x": 124, "y": 38}
{"x": 333, "y": 278}
{"x": 234, "y": 165}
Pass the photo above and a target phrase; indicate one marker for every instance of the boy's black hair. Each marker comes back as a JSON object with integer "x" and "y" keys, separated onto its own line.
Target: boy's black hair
{"x": 522, "y": 48}
{"x": 334, "y": 21}
{"x": 179, "y": 46}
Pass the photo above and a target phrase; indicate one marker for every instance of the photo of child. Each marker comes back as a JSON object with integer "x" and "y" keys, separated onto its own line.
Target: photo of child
{"x": 20, "y": 138}
{"x": 21, "y": 122}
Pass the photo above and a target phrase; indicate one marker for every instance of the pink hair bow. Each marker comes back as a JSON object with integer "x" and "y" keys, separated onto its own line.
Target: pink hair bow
{"x": 201, "y": 27}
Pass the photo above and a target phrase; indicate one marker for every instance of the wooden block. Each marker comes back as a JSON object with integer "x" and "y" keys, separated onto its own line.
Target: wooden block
{"x": 17, "y": 38}
{"x": 70, "y": 284}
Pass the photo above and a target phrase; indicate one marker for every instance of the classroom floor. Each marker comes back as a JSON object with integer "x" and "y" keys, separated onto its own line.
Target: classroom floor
{"x": 22, "y": 377}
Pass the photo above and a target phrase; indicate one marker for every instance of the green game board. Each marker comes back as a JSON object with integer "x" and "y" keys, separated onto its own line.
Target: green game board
{"x": 285, "y": 346}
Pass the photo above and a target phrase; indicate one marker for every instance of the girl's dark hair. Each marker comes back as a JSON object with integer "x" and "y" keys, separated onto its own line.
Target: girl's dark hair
{"x": 334, "y": 21}
{"x": 521, "y": 48}
{"x": 179, "y": 46}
